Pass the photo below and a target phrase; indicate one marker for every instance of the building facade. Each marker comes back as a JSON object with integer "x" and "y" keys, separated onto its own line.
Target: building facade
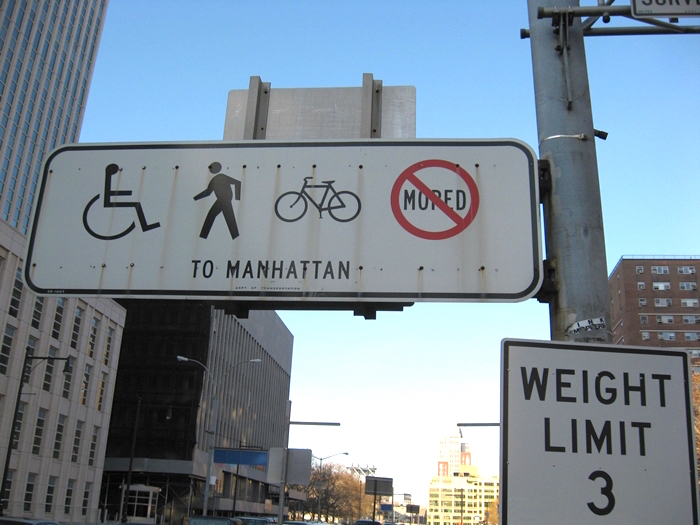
{"x": 163, "y": 410}
{"x": 655, "y": 302}
{"x": 461, "y": 499}
{"x": 58, "y": 429}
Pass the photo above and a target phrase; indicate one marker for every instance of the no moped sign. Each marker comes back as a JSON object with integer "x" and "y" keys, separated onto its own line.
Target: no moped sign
{"x": 354, "y": 221}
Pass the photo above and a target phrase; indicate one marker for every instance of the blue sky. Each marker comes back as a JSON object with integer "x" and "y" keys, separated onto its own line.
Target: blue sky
{"x": 398, "y": 383}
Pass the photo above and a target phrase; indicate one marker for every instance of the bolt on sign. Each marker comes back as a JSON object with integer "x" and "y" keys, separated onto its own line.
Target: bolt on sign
{"x": 414, "y": 220}
{"x": 596, "y": 434}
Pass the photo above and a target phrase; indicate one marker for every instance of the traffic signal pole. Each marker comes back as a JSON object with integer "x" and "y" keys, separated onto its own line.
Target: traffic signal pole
{"x": 579, "y": 304}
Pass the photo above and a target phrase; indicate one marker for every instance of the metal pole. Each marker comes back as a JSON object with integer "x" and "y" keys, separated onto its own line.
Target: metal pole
{"x": 125, "y": 513}
{"x": 210, "y": 453}
{"x": 23, "y": 378}
{"x": 573, "y": 217}
{"x": 320, "y": 488}
{"x": 283, "y": 481}
{"x": 6, "y": 471}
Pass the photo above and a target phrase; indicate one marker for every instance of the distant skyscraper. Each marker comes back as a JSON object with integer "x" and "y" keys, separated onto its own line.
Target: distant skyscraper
{"x": 451, "y": 454}
{"x": 58, "y": 433}
{"x": 47, "y": 54}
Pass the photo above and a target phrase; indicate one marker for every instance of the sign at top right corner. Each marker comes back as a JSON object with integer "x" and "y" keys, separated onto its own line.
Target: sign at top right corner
{"x": 665, "y": 8}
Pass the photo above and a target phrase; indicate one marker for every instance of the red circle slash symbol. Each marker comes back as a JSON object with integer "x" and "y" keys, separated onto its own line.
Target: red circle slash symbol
{"x": 410, "y": 175}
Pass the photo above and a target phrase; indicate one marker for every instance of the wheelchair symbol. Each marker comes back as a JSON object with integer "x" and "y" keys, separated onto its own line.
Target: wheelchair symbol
{"x": 109, "y": 193}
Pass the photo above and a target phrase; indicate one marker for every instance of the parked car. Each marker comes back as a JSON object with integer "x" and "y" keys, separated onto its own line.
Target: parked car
{"x": 6, "y": 520}
{"x": 213, "y": 520}
{"x": 368, "y": 522}
{"x": 255, "y": 520}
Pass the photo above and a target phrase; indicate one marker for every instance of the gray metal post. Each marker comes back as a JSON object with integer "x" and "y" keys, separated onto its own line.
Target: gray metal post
{"x": 573, "y": 218}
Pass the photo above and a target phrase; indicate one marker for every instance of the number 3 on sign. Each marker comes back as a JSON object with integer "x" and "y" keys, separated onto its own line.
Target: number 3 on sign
{"x": 605, "y": 490}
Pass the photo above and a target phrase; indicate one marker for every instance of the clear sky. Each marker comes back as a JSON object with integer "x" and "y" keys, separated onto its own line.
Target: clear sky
{"x": 400, "y": 382}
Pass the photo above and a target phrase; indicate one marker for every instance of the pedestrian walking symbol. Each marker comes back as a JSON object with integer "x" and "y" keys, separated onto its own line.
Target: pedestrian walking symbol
{"x": 220, "y": 185}
{"x": 108, "y": 202}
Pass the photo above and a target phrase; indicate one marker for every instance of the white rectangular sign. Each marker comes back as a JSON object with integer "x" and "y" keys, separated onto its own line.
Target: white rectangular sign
{"x": 596, "y": 434}
{"x": 665, "y": 8}
{"x": 414, "y": 220}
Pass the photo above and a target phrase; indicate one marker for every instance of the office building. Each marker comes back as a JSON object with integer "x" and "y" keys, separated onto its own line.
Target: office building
{"x": 462, "y": 498}
{"x": 654, "y": 301}
{"x": 59, "y": 430}
{"x": 163, "y": 458}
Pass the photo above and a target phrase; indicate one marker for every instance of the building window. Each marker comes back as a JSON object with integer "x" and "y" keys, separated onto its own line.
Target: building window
{"x": 93, "y": 445}
{"x": 39, "y": 431}
{"x": 686, "y": 270}
{"x": 661, "y": 286}
{"x": 101, "y": 391}
{"x": 29, "y": 492}
{"x": 76, "y": 441}
{"x": 58, "y": 440}
{"x": 76, "y": 327}
{"x": 662, "y": 302}
{"x": 6, "y": 348}
{"x": 86, "y": 385}
{"x": 645, "y": 336}
{"x": 666, "y": 336}
{"x": 50, "y": 491}
{"x": 8, "y": 489}
{"x": 642, "y": 301}
{"x": 688, "y": 286}
{"x": 689, "y": 303}
{"x": 48, "y": 371}
{"x": 644, "y": 319}
{"x": 691, "y": 319}
{"x": 16, "y": 297}
{"x": 67, "y": 377}
{"x": 640, "y": 269}
{"x": 86, "y": 497}
{"x": 92, "y": 341}
{"x": 58, "y": 318}
{"x": 659, "y": 270}
{"x": 108, "y": 345}
{"x": 69, "y": 496}
{"x": 691, "y": 336}
{"x": 641, "y": 285}
{"x": 18, "y": 426}
{"x": 38, "y": 309}
{"x": 665, "y": 319}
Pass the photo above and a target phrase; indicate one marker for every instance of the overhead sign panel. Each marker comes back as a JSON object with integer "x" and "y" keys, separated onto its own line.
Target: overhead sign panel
{"x": 606, "y": 429}
{"x": 324, "y": 221}
{"x": 665, "y": 8}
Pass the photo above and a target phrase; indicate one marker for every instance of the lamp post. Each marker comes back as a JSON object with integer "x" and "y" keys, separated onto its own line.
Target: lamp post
{"x": 212, "y": 423}
{"x": 320, "y": 471}
{"x": 24, "y": 377}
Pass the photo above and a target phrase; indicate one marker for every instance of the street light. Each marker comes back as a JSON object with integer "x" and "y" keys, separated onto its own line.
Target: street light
{"x": 320, "y": 471}
{"x": 212, "y": 424}
{"x": 24, "y": 377}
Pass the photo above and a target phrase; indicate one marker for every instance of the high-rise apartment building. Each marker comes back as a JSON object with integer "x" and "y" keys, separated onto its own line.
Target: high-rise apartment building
{"x": 655, "y": 302}
{"x": 58, "y": 430}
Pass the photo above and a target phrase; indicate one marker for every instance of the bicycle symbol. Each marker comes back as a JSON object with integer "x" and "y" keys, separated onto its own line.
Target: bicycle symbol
{"x": 110, "y": 171}
{"x": 343, "y": 206}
